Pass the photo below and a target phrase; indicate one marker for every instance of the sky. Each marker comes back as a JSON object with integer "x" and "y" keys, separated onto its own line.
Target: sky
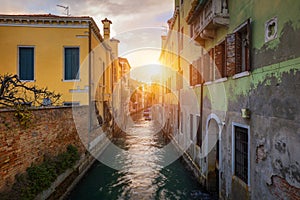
{"x": 138, "y": 24}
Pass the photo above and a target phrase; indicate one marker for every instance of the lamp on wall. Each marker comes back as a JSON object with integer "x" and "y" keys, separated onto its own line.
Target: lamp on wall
{"x": 245, "y": 112}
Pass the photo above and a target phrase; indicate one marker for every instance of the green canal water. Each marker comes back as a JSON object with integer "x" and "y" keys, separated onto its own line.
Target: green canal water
{"x": 141, "y": 171}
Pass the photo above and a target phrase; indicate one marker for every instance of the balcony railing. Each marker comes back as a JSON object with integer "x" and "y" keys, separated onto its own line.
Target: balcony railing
{"x": 206, "y": 17}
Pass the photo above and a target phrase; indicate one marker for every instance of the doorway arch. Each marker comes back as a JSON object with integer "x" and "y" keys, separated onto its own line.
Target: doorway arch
{"x": 213, "y": 152}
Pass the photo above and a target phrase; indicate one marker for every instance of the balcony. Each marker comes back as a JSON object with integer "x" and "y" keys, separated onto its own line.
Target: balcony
{"x": 205, "y": 17}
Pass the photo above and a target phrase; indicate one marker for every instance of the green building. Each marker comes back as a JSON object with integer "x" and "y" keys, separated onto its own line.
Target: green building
{"x": 239, "y": 61}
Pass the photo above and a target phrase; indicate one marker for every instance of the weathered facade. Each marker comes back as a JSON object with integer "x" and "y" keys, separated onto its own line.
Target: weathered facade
{"x": 235, "y": 75}
{"x": 121, "y": 91}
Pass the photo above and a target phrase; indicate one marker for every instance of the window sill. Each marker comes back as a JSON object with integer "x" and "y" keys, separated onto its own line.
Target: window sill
{"x": 242, "y": 183}
{"x": 195, "y": 86}
{"x": 208, "y": 83}
{"x": 28, "y": 81}
{"x": 220, "y": 80}
{"x": 240, "y": 75}
{"x": 74, "y": 80}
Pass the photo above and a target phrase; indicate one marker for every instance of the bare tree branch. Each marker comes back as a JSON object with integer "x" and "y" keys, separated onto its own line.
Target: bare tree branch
{"x": 15, "y": 92}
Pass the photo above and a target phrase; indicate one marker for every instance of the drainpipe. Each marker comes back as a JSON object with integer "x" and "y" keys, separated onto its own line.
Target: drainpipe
{"x": 121, "y": 96}
{"x": 112, "y": 92}
{"x": 201, "y": 109}
{"x": 90, "y": 84}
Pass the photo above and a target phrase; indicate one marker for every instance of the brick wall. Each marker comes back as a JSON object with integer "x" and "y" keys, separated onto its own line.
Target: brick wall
{"x": 49, "y": 133}
{"x": 281, "y": 189}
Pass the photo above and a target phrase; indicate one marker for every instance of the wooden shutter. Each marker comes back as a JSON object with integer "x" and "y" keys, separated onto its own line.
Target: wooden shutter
{"x": 220, "y": 60}
{"x": 75, "y": 63}
{"x": 179, "y": 80}
{"x": 68, "y": 64}
{"x": 234, "y": 50}
{"x": 238, "y": 52}
{"x": 200, "y": 71}
{"x": 206, "y": 66}
{"x": 194, "y": 74}
{"x": 71, "y": 63}
{"x": 26, "y": 63}
{"x": 231, "y": 54}
{"x": 191, "y": 74}
{"x": 211, "y": 63}
{"x": 248, "y": 58}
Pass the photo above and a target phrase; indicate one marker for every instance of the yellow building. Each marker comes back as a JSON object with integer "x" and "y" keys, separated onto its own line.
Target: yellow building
{"x": 121, "y": 91}
{"x": 53, "y": 51}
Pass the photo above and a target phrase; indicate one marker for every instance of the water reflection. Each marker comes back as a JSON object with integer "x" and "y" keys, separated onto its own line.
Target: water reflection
{"x": 140, "y": 162}
{"x": 142, "y": 174}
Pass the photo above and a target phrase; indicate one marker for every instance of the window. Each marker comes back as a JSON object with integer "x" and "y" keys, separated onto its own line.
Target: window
{"x": 199, "y": 132}
{"x": 26, "y": 63}
{"x": 191, "y": 127}
{"x": 237, "y": 50}
{"x": 71, "y": 63}
{"x": 103, "y": 73}
{"x": 182, "y": 8}
{"x": 181, "y": 122}
{"x": 241, "y": 152}
{"x": 195, "y": 72}
{"x": 168, "y": 85}
{"x": 181, "y": 40}
{"x": 179, "y": 80}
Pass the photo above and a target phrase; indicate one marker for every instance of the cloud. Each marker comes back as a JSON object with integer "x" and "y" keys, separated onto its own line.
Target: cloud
{"x": 137, "y": 12}
{"x": 126, "y": 16}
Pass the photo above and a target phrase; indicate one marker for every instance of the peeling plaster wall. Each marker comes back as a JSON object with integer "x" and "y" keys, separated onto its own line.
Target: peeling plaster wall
{"x": 275, "y": 114}
{"x": 271, "y": 92}
{"x": 276, "y": 131}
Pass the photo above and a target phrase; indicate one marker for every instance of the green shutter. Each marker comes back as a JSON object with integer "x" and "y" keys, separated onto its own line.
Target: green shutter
{"x": 71, "y": 63}
{"x": 26, "y": 63}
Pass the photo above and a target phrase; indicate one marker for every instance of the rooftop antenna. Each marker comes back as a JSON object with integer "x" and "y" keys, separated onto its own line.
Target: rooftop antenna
{"x": 67, "y": 9}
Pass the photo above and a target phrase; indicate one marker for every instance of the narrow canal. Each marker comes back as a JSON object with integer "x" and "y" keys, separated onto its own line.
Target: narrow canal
{"x": 142, "y": 174}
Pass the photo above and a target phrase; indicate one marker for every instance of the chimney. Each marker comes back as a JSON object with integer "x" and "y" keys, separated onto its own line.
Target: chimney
{"x": 106, "y": 28}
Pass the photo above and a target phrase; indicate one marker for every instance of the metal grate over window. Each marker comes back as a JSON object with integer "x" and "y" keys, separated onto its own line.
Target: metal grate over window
{"x": 199, "y": 132}
{"x": 241, "y": 153}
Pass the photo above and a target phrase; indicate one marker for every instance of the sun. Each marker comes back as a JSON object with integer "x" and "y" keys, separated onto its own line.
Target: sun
{"x": 145, "y": 65}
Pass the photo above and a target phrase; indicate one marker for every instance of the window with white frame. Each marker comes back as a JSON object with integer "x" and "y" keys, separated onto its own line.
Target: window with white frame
{"x": 71, "y": 65}
{"x": 26, "y": 63}
{"x": 238, "y": 50}
{"x": 241, "y": 152}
